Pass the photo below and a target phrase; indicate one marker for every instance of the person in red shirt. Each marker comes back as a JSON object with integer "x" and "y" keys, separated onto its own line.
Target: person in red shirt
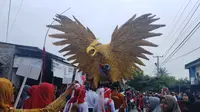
{"x": 78, "y": 98}
{"x": 118, "y": 99}
{"x": 140, "y": 102}
{"x": 108, "y": 102}
{"x": 40, "y": 96}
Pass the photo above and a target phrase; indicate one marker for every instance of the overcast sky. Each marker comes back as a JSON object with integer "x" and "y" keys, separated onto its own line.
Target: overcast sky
{"x": 101, "y": 16}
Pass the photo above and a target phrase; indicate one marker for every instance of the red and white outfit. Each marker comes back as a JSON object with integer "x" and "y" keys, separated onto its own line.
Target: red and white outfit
{"x": 105, "y": 103}
{"x": 79, "y": 97}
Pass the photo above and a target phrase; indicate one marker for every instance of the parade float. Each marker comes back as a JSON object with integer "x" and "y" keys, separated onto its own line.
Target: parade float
{"x": 109, "y": 62}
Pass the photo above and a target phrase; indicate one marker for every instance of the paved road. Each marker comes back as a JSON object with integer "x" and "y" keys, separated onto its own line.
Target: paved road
{"x": 135, "y": 110}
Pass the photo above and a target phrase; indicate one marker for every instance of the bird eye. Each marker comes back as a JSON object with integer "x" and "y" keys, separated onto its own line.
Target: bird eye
{"x": 92, "y": 51}
{"x": 98, "y": 44}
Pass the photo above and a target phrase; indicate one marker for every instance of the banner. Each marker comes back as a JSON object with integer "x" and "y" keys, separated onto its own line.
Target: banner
{"x": 62, "y": 70}
{"x": 68, "y": 75}
{"x": 30, "y": 67}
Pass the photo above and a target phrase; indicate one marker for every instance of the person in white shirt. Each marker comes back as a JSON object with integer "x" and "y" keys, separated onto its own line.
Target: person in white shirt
{"x": 91, "y": 97}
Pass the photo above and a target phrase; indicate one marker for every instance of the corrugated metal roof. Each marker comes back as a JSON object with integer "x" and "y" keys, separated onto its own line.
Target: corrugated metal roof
{"x": 30, "y": 51}
{"x": 193, "y": 63}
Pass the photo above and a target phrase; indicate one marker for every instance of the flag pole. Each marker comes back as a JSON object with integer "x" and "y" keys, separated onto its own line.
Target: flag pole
{"x": 44, "y": 51}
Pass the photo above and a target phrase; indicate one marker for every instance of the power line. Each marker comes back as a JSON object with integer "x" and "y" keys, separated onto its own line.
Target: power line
{"x": 16, "y": 16}
{"x": 183, "y": 27}
{"x": 185, "y": 54}
{"x": 193, "y": 22}
{"x": 176, "y": 22}
{"x": 8, "y": 21}
{"x": 182, "y": 43}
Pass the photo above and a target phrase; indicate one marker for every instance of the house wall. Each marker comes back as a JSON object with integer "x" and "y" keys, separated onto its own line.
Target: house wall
{"x": 198, "y": 69}
{"x": 198, "y": 74}
{"x": 192, "y": 72}
{"x": 7, "y": 52}
{"x": 16, "y": 80}
{"x": 194, "y": 78}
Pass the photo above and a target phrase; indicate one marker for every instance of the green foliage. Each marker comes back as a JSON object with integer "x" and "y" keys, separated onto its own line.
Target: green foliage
{"x": 183, "y": 81}
{"x": 162, "y": 72}
{"x": 140, "y": 81}
{"x": 143, "y": 82}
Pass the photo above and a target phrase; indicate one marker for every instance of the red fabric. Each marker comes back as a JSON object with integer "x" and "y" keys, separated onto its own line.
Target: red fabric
{"x": 140, "y": 101}
{"x": 108, "y": 109}
{"x": 180, "y": 105}
{"x": 129, "y": 95}
{"x": 28, "y": 102}
{"x": 134, "y": 99}
{"x": 183, "y": 106}
{"x": 31, "y": 90}
{"x": 107, "y": 93}
{"x": 40, "y": 96}
{"x": 79, "y": 95}
{"x": 83, "y": 78}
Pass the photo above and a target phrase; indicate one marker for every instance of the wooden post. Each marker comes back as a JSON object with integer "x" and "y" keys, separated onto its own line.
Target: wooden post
{"x": 22, "y": 87}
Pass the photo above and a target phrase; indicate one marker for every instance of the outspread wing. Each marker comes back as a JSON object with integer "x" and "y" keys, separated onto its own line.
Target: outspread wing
{"x": 78, "y": 38}
{"x": 127, "y": 41}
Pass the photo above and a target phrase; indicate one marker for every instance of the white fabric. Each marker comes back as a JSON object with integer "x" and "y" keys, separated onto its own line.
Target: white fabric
{"x": 91, "y": 98}
{"x": 99, "y": 104}
{"x": 83, "y": 107}
{"x": 68, "y": 105}
{"x": 175, "y": 98}
{"x": 111, "y": 104}
{"x": 76, "y": 86}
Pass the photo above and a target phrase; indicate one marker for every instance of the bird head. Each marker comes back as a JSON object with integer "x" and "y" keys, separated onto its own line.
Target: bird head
{"x": 92, "y": 49}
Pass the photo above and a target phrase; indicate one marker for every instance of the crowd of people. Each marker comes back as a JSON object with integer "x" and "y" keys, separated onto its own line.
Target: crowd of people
{"x": 171, "y": 101}
{"x": 76, "y": 97}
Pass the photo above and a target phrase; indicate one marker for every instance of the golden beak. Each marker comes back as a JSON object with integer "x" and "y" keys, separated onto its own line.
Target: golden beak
{"x": 91, "y": 50}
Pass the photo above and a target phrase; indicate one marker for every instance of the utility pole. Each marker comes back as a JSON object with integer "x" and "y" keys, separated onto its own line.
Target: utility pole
{"x": 8, "y": 21}
{"x": 158, "y": 63}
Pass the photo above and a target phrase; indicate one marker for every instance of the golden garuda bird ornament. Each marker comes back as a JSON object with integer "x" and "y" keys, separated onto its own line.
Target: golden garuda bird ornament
{"x": 118, "y": 58}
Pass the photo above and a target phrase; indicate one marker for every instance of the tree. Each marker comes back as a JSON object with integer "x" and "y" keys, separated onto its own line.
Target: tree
{"x": 140, "y": 81}
{"x": 143, "y": 82}
{"x": 183, "y": 81}
{"x": 162, "y": 72}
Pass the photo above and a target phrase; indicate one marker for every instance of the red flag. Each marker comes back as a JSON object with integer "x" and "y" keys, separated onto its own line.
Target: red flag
{"x": 83, "y": 78}
{"x": 43, "y": 62}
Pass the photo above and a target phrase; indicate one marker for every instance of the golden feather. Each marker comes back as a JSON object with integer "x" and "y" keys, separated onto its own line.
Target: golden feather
{"x": 122, "y": 54}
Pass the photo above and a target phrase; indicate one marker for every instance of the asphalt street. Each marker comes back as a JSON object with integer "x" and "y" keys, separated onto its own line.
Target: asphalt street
{"x": 135, "y": 110}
